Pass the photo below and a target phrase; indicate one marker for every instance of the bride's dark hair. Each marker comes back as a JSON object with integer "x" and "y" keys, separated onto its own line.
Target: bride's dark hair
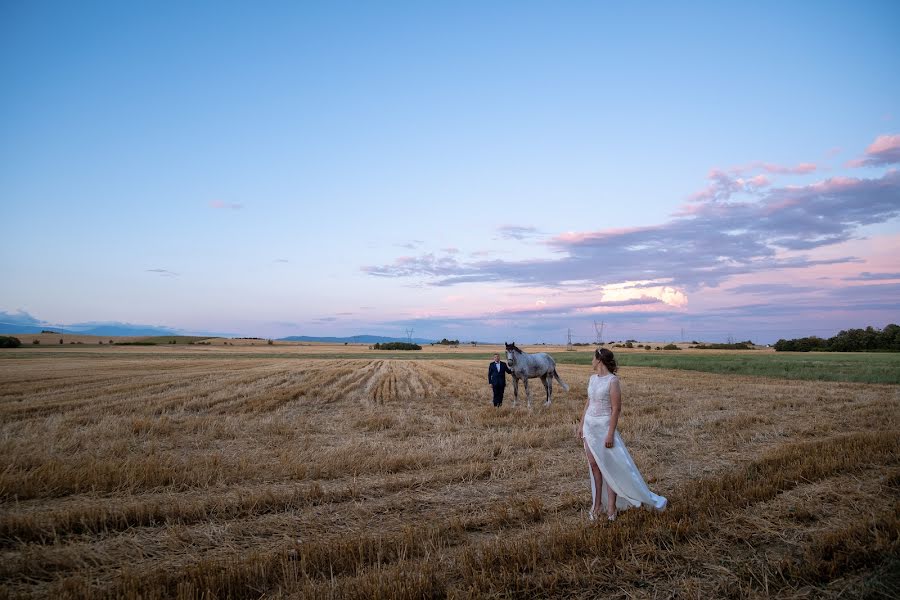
{"x": 607, "y": 358}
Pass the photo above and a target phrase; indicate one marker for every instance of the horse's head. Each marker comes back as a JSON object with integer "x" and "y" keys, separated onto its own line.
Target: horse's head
{"x": 511, "y": 353}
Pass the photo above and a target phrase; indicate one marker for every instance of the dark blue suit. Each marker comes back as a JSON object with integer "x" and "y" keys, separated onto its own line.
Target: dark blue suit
{"x": 497, "y": 379}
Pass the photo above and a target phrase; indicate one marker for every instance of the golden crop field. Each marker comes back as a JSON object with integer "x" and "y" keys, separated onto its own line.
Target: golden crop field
{"x": 214, "y": 472}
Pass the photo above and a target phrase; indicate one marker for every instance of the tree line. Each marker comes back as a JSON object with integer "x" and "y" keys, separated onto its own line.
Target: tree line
{"x": 869, "y": 339}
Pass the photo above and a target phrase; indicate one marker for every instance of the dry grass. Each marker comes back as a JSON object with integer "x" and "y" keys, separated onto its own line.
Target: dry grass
{"x": 219, "y": 476}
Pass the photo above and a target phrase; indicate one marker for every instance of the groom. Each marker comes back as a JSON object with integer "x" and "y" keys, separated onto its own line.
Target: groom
{"x": 497, "y": 371}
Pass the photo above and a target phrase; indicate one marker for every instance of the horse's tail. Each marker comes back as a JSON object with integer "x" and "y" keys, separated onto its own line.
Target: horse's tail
{"x": 564, "y": 385}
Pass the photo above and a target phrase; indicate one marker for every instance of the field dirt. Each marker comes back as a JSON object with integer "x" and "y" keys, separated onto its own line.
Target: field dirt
{"x": 134, "y": 472}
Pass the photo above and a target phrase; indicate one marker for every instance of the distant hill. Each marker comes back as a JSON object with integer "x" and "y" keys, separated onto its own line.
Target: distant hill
{"x": 100, "y": 329}
{"x": 356, "y": 339}
{"x": 15, "y": 328}
{"x": 122, "y": 329}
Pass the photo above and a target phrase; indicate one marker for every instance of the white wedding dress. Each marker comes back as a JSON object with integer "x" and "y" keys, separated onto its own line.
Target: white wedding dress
{"x": 616, "y": 465}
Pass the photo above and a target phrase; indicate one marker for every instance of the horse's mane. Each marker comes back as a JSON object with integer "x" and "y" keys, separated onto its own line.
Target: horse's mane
{"x": 514, "y": 348}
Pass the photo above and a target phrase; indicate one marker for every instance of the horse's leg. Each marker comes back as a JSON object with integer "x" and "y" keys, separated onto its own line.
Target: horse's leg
{"x": 515, "y": 390}
{"x": 527, "y": 393}
{"x": 547, "y": 378}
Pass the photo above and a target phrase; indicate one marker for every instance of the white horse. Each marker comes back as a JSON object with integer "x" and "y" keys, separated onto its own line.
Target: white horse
{"x": 525, "y": 366}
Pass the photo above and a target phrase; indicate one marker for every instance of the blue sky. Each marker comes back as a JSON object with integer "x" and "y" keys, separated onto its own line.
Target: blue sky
{"x": 473, "y": 170}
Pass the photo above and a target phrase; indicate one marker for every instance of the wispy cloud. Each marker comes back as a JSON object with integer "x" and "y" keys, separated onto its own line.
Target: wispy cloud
{"x": 771, "y": 289}
{"x": 220, "y": 205}
{"x": 516, "y": 232}
{"x": 411, "y": 245}
{"x": 723, "y": 186}
{"x": 281, "y": 260}
{"x": 426, "y": 264}
{"x": 885, "y": 150}
{"x": 163, "y": 272}
{"x": 867, "y": 276}
{"x": 749, "y": 178}
{"x": 773, "y": 169}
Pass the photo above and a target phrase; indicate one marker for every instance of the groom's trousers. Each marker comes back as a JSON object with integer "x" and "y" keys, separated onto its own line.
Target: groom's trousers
{"x": 498, "y": 393}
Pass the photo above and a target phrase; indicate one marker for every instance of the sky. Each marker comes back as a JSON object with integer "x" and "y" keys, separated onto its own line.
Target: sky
{"x": 472, "y": 170}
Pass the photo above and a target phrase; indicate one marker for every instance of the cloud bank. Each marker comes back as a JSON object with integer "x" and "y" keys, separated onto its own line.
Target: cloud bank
{"x": 708, "y": 242}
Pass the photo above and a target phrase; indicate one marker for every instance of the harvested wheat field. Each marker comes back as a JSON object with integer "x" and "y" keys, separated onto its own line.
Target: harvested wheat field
{"x": 217, "y": 475}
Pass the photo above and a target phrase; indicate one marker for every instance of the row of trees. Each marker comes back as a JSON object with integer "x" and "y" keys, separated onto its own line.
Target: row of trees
{"x": 869, "y": 339}
{"x": 397, "y": 346}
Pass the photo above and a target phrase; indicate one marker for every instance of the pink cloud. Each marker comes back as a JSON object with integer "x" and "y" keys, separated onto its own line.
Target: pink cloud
{"x": 572, "y": 237}
{"x": 800, "y": 169}
{"x": 759, "y": 181}
{"x": 884, "y": 143}
{"x": 885, "y": 150}
{"x": 218, "y": 204}
{"x": 723, "y": 185}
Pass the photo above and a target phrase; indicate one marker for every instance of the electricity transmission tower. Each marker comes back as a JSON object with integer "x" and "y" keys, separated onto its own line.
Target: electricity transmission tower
{"x": 599, "y": 330}
{"x": 409, "y": 333}
{"x": 569, "y": 341}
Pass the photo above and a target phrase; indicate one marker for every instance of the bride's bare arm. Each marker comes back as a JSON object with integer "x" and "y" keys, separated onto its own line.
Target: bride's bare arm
{"x": 615, "y": 401}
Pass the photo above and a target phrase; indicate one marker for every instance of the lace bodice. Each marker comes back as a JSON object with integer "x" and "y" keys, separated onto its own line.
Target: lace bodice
{"x": 598, "y": 395}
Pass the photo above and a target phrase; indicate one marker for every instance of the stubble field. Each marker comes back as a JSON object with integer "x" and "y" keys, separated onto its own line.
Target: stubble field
{"x": 220, "y": 473}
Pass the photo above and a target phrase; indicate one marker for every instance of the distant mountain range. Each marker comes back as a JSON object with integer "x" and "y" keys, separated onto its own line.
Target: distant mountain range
{"x": 22, "y": 322}
{"x": 129, "y": 330}
{"x": 355, "y": 339}
{"x": 101, "y": 329}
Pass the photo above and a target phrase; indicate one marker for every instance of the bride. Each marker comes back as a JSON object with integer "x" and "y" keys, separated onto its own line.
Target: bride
{"x": 621, "y": 484}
